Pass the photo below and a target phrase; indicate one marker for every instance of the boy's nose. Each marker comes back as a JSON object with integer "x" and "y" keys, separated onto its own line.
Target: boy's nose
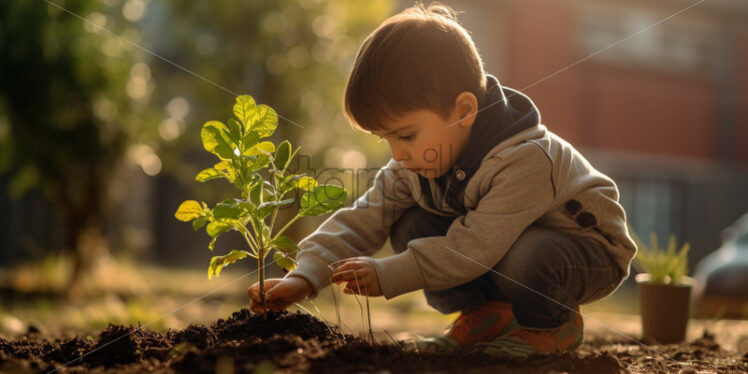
{"x": 399, "y": 155}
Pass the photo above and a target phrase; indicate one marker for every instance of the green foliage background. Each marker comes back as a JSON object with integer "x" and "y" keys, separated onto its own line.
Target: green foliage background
{"x": 79, "y": 104}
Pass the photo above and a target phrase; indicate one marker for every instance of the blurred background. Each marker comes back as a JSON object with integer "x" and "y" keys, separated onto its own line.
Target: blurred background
{"x": 102, "y": 101}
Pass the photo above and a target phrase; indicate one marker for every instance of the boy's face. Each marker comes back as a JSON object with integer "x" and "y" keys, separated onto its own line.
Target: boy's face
{"x": 424, "y": 141}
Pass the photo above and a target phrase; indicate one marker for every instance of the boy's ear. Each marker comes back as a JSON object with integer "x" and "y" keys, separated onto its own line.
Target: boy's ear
{"x": 466, "y": 106}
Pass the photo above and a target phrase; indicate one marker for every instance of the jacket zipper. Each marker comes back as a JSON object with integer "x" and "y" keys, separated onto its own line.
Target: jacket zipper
{"x": 446, "y": 191}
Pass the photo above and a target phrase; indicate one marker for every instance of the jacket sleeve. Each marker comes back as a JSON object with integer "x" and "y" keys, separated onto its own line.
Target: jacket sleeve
{"x": 359, "y": 230}
{"x": 521, "y": 191}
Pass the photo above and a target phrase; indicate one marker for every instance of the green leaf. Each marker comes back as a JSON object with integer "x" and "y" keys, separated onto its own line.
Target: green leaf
{"x": 228, "y": 208}
{"x": 217, "y": 228}
{"x": 257, "y": 162}
{"x": 243, "y": 109}
{"x": 298, "y": 181}
{"x": 306, "y": 183}
{"x": 248, "y": 207}
{"x": 250, "y": 139}
{"x": 208, "y": 174}
{"x": 254, "y": 194}
{"x": 260, "y": 192}
{"x": 265, "y": 148}
{"x": 198, "y": 223}
{"x": 285, "y": 244}
{"x": 282, "y": 155}
{"x": 212, "y": 244}
{"x": 189, "y": 210}
{"x": 215, "y": 139}
{"x": 263, "y": 120}
{"x": 235, "y": 129}
{"x": 269, "y": 188}
{"x": 226, "y": 169}
{"x": 322, "y": 199}
{"x": 284, "y": 261}
{"x": 264, "y": 209}
{"x": 218, "y": 262}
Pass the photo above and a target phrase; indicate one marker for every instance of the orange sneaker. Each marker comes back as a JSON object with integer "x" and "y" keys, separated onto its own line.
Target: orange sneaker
{"x": 525, "y": 341}
{"x": 484, "y": 324}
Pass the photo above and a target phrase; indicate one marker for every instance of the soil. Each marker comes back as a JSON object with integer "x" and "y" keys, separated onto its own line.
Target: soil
{"x": 298, "y": 342}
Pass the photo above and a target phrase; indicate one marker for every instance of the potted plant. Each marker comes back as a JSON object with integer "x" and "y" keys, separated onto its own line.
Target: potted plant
{"x": 665, "y": 289}
{"x": 242, "y": 156}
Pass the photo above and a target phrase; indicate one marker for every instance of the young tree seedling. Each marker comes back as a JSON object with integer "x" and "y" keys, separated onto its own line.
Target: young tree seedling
{"x": 242, "y": 156}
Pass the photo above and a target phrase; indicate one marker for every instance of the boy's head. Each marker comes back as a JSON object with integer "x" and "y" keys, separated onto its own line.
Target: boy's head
{"x": 421, "y": 69}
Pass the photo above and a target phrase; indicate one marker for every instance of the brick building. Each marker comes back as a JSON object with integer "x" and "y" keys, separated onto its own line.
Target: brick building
{"x": 655, "y": 94}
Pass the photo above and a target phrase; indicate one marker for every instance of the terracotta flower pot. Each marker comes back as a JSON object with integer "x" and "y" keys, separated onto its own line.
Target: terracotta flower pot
{"x": 664, "y": 309}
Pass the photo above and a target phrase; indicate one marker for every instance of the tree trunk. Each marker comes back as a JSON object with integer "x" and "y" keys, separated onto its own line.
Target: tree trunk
{"x": 90, "y": 246}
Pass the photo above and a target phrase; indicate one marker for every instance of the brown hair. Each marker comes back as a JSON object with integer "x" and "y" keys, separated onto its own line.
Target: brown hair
{"x": 420, "y": 58}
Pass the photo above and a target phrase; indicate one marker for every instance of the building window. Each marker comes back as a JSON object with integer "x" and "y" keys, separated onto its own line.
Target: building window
{"x": 653, "y": 205}
{"x": 627, "y": 36}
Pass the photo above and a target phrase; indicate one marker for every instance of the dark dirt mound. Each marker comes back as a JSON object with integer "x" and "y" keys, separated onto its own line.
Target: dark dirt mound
{"x": 122, "y": 345}
{"x": 298, "y": 342}
{"x": 199, "y": 336}
{"x": 243, "y": 324}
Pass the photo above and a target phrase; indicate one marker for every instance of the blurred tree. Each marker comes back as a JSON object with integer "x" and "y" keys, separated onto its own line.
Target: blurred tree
{"x": 294, "y": 55}
{"x": 77, "y": 103}
{"x": 72, "y": 97}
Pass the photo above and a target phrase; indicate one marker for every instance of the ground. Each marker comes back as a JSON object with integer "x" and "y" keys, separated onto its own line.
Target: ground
{"x": 189, "y": 324}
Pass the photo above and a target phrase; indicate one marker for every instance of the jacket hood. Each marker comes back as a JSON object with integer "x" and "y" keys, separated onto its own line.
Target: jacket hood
{"x": 502, "y": 113}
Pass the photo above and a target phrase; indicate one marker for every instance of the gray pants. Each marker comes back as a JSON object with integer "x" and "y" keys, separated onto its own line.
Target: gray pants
{"x": 543, "y": 274}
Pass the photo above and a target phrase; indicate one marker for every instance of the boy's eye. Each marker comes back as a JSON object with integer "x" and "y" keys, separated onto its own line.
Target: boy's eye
{"x": 406, "y": 138}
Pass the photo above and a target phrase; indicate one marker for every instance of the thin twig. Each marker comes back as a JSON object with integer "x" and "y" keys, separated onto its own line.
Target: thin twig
{"x": 393, "y": 339}
{"x": 334, "y": 298}
{"x": 366, "y": 317}
{"x": 327, "y": 324}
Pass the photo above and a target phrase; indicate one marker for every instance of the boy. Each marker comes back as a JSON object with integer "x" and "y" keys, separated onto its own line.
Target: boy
{"x": 487, "y": 210}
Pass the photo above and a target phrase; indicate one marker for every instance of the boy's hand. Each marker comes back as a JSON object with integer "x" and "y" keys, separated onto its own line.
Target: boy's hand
{"x": 360, "y": 274}
{"x": 280, "y": 293}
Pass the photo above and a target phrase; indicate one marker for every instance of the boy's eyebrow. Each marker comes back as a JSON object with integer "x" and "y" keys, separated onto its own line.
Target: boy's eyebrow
{"x": 396, "y": 130}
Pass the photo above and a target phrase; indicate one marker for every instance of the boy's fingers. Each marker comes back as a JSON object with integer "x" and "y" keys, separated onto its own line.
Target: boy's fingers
{"x": 347, "y": 264}
{"x": 337, "y": 264}
{"x": 257, "y": 308}
{"x": 276, "y": 305}
{"x": 275, "y": 298}
{"x": 360, "y": 283}
{"x": 344, "y": 261}
{"x": 343, "y": 276}
{"x": 345, "y": 267}
{"x": 254, "y": 294}
{"x": 350, "y": 270}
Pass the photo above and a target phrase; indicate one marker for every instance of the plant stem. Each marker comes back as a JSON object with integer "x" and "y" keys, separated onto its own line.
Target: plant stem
{"x": 288, "y": 224}
{"x": 277, "y": 198}
{"x": 261, "y": 259}
{"x": 250, "y": 241}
